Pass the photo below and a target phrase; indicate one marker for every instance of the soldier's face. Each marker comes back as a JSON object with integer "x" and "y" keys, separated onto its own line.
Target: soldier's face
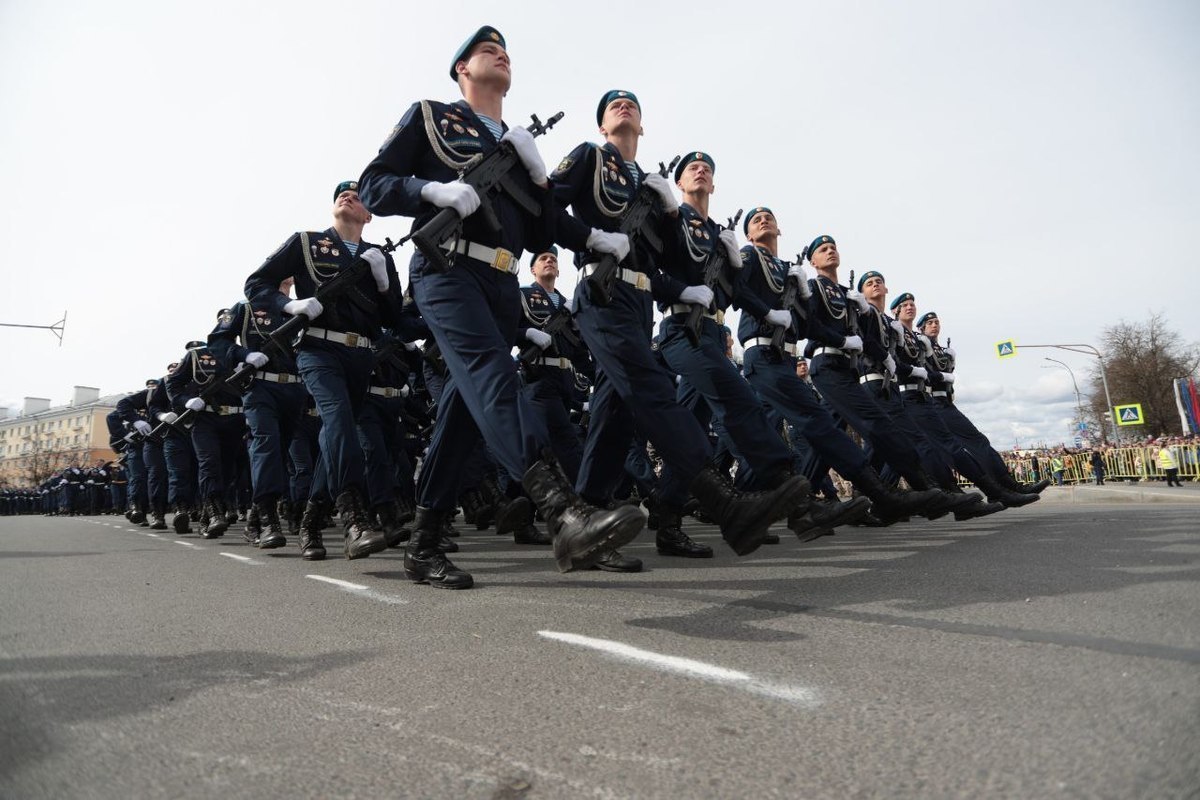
{"x": 697, "y": 177}
{"x": 826, "y": 256}
{"x": 347, "y": 206}
{"x": 763, "y": 225}
{"x": 802, "y": 368}
{"x": 546, "y": 266}
{"x": 487, "y": 63}
{"x": 932, "y": 328}
{"x": 874, "y": 289}
{"x": 906, "y": 311}
{"x": 621, "y": 114}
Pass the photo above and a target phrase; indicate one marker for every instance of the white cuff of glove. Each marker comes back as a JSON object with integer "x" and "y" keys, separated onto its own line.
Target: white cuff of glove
{"x": 539, "y": 338}
{"x": 802, "y": 283}
{"x": 859, "y": 299}
{"x": 257, "y": 360}
{"x": 926, "y": 345}
{"x": 615, "y": 244}
{"x": 697, "y": 295}
{"x": 729, "y": 239}
{"x": 658, "y": 184}
{"x": 889, "y": 364}
{"x": 779, "y": 318}
{"x": 168, "y": 416}
{"x": 897, "y": 326}
{"x": 948, "y": 377}
{"x": 309, "y": 307}
{"x": 853, "y": 343}
{"x": 195, "y": 404}
{"x": 378, "y": 262}
{"x": 456, "y": 194}
{"x": 523, "y": 143}
{"x": 920, "y": 373}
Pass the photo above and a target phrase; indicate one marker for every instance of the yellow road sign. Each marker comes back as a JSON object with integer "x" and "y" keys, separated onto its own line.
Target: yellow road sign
{"x": 1006, "y": 349}
{"x": 1130, "y": 414}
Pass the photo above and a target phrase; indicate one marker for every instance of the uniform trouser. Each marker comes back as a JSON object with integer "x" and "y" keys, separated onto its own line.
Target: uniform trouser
{"x": 972, "y": 438}
{"x": 135, "y": 468}
{"x": 217, "y": 439}
{"x": 550, "y": 395}
{"x": 273, "y": 412}
{"x": 181, "y": 470}
{"x": 303, "y": 454}
{"x": 473, "y": 312}
{"x": 478, "y": 463}
{"x": 709, "y": 417}
{"x": 924, "y": 410}
{"x": 733, "y": 402}
{"x": 378, "y": 433}
{"x": 118, "y": 494}
{"x": 774, "y": 378}
{"x": 632, "y": 389}
{"x": 837, "y": 381}
{"x": 337, "y": 377}
{"x": 936, "y": 460}
{"x": 157, "y": 476}
{"x": 639, "y": 468}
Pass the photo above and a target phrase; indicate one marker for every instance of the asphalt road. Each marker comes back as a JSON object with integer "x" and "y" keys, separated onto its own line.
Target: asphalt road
{"x": 1052, "y": 651}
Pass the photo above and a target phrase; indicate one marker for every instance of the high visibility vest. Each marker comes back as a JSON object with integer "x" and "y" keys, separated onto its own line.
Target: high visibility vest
{"x": 1166, "y": 459}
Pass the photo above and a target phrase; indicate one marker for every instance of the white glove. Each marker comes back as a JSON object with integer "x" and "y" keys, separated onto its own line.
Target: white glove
{"x": 522, "y": 141}
{"x": 950, "y": 350}
{"x": 898, "y": 327}
{"x": 796, "y": 271}
{"x": 616, "y": 244}
{"x": 194, "y": 404}
{"x": 889, "y": 364}
{"x": 948, "y": 377}
{"x": 457, "y": 195}
{"x": 858, "y": 298}
{"x": 779, "y": 318}
{"x": 310, "y": 307}
{"x": 411, "y": 347}
{"x": 920, "y": 373}
{"x": 257, "y": 360}
{"x": 540, "y": 338}
{"x": 853, "y": 344}
{"x": 378, "y": 262}
{"x": 168, "y": 417}
{"x": 658, "y": 184}
{"x": 729, "y": 239}
{"x": 405, "y": 391}
{"x": 142, "y": 427}
{"x": 926, "y": 345}
{"x": 697, "y": 295}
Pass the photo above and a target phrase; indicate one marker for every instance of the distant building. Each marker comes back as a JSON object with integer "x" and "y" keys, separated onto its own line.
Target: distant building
{"x": 42, "y": 440}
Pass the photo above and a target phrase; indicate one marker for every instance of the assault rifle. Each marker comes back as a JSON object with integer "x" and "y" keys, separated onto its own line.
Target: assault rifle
{"x": 557, "y": 324}
{"x": 716, "y": 275}
{"x": 638, "y": 223}
{"x": 791, "y": 304}
{"x": 489, "y": 176}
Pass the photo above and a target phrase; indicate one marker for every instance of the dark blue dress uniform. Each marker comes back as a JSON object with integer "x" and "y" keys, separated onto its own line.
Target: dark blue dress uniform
{"x": 147, "y": 474}
{"x": 179, "y": 456}
{"x": 334, "y": 356}
{"x": 217, "y": 430}
{"x": 704, "y": 366}
{"x": 550, "y": 383}
{"x": 381, "y": 434}
{"x": 631, "y": 388}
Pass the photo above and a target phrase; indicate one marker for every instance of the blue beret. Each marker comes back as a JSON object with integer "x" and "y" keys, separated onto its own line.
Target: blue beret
{"x": 534, "y": 256}
{"x": 928, "y": 315}
{"x": 815, "y": 243}
{"x": 753, "y": 212}
{"x": 900, "y": 299}
{"x": 485, "y": 34}
{"x": 192, "y": 345}
{"x": 609, "y": 96}
{"x": 866, "y": 276}
{"x": 695, "y": 155}
{"x": 345, "y": 186}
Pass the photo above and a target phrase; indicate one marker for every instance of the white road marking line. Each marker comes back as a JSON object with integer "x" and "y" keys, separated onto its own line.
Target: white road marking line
{"x": 799, "y": 695}
{"x": 240, "y": 558}
{"x": 360, "y": 590}
{"x": 189, "y": 544}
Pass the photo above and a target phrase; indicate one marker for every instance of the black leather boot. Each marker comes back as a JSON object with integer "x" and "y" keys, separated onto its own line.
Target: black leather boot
{"x": 360, "y": 537}
{"x": 670, "y": 540}
{"x": 475, "y": 509}
{"x": 288, "y": 516}
{"x": 998, "y": 494}
{"x": 424, "y": 562}
{"x": 616, "y": 561}
{"x": 270, "y": 533}
{"x": 311, "y": 546}
{"x": 218, "y": 522}
{"x": 385, "y": 513}
{"x": 158, "y": 521}
{"x": 980, "y": 509}
{"x": 744, "y": 517}
{"x": 405, "y": 512}
{"x": 582, "y": 532}
{"x": 137, "y": 516}
{"x": 252, "y": 533}
{"x": 532, "y": 535}
{"x": 182, "y": 521}
{"x": 889, "y": 503}
{"x": 828, "y": 514}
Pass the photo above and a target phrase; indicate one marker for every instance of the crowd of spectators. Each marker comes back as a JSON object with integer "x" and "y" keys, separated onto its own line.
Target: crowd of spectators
{"x": 1151, "y": 458}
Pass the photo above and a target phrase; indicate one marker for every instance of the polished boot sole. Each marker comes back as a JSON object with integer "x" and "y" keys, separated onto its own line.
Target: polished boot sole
{"x": 620, "y": 526}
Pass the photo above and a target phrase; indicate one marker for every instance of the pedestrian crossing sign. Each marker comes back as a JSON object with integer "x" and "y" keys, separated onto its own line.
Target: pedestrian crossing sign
{"x": 1129, "y": 414}
{"x": 1006, "y": 349}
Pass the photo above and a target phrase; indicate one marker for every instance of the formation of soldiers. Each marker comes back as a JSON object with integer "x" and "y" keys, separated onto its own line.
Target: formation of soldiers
{"x": 340, "y": 393}
{"x": 73, "y": 491}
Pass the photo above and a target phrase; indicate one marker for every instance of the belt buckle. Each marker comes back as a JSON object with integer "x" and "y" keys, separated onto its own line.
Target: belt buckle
{"x": 503, "y": 260}
{"x": 643, "y": 282}
{"x": 284, "y": 377}
{"x": 352, "y": 340}
{"x": 389, "y": 392}
{"x": 720, "y": 317}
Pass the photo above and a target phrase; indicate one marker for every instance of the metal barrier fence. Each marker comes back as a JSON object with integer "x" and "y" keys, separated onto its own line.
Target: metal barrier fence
{"x": 1123, "y": 463}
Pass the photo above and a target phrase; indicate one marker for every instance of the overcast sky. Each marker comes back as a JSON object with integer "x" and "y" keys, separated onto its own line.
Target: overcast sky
{"x": 1028, "y": 170}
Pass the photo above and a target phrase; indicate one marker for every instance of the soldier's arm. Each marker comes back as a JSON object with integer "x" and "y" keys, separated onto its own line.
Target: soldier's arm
{"x": 223, "y": 341}
{"x": 388, "y": 185}
{"x": 262, "y": 287}
{"x": 744, "y": 295}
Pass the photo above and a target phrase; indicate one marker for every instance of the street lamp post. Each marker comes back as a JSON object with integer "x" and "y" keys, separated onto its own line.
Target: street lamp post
{"x": 1087, "y": 350}
{"x": 1074, "y": 383}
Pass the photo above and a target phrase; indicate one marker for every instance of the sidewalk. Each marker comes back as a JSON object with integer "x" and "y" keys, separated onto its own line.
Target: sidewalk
{"x": 1121, "y": 492}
